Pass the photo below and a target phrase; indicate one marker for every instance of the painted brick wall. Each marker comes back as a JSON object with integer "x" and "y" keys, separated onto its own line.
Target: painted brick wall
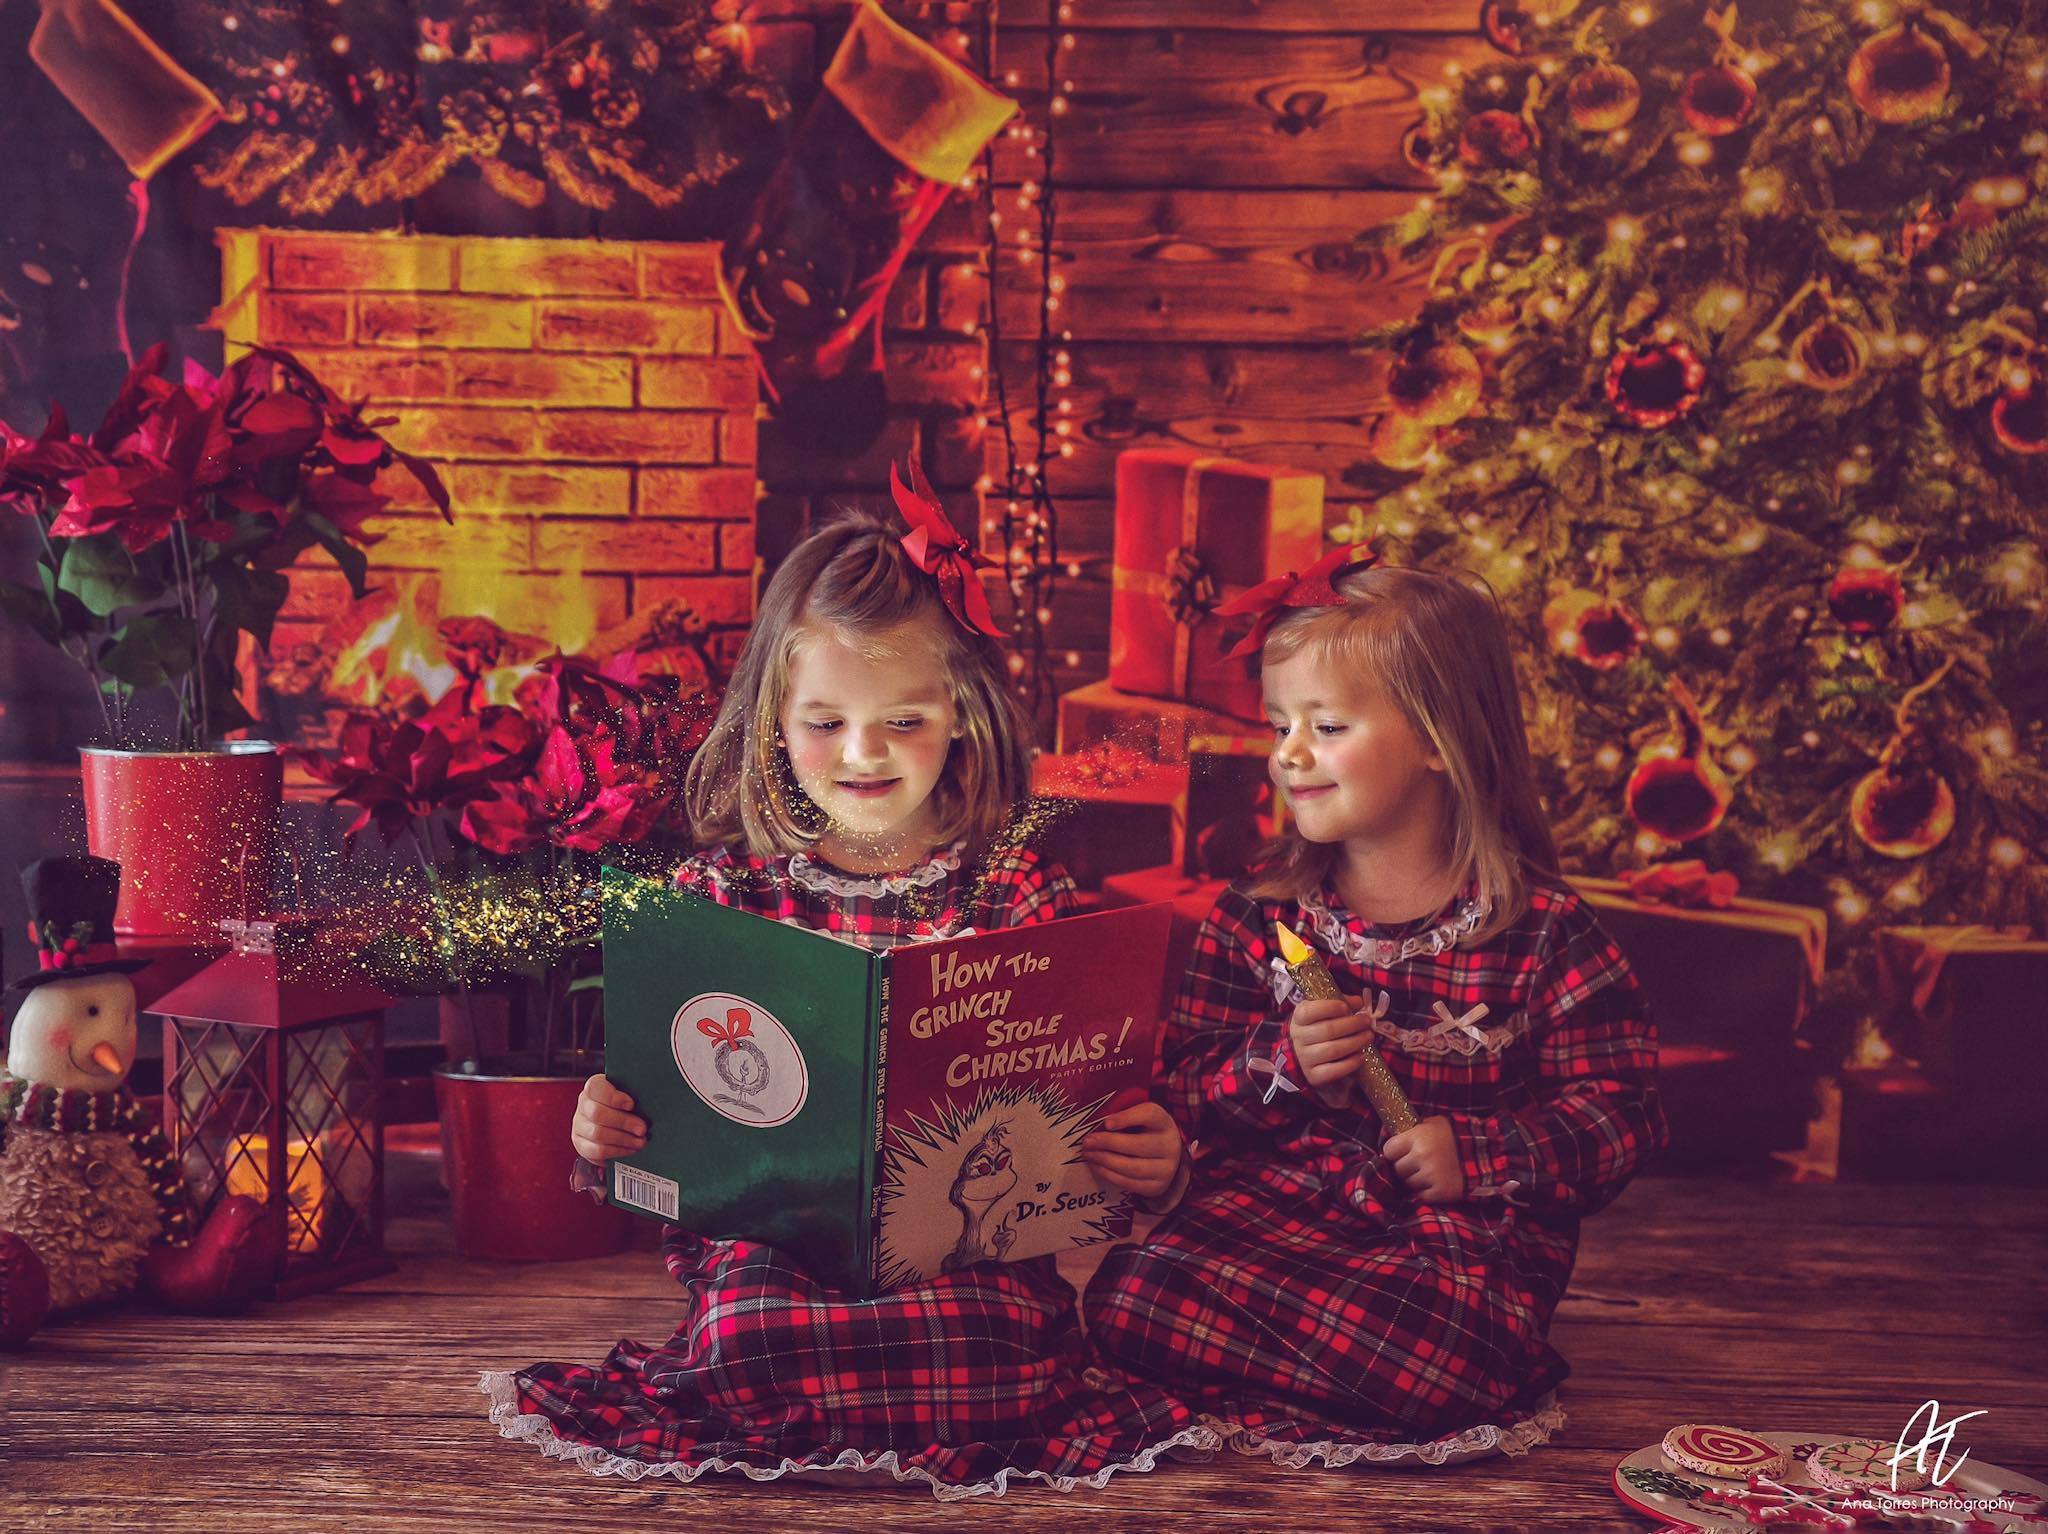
{"x": 587, "y": 402}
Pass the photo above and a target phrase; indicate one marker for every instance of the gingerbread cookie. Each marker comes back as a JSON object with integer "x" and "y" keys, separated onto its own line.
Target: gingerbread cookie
{"x": 1861, "y": 1464}
{"x": 1726, "y": 1452}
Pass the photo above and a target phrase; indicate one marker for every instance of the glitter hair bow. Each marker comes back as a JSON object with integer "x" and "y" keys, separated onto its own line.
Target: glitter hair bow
{"x": 938, "y": 549}
{"x": 1267, "y": 602}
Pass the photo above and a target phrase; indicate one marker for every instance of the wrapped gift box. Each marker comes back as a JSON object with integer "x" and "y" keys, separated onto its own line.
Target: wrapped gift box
{"x": 1108, "y": 810}
{"x": 1738, "y": 976}
{"x": 1192, "y": 899}
{"x": 1900, "y": 1124}
{"x": 1155, "y": 727}
{"x": 1193, "y": 532}
{"x": 1232, "y": 809}
{"x": 1729, "y": 1109}
{"x": 1967, "y": 1002}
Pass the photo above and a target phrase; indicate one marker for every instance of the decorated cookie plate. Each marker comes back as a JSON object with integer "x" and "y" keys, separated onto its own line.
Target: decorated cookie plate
{"x": 1997, "y": 1500}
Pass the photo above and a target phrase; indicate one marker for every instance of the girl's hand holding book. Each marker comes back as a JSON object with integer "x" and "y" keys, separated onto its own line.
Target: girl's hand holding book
{"x": 1329, "y": 1038}
{"x": 1426, "y": 1159}
{"x": 605, "y": 1124}
{"x": 1137, "y": 1149}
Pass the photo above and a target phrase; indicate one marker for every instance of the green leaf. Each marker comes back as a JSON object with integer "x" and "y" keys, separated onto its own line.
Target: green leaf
{"x": 102, "y": 575}
{"x": 355, "y": 564}
{"x": 152, "y": 651}
{"x": 247, "y": 599}
{"x": 30, "y": 608}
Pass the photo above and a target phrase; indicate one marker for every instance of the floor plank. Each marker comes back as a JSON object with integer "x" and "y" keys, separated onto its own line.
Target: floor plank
{"x": 1804, "y": 1306}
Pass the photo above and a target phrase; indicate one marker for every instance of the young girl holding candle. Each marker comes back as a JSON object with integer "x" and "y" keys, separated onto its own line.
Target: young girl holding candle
{"x": 1333, "y": 1291}
{"x": 858, "y": 780}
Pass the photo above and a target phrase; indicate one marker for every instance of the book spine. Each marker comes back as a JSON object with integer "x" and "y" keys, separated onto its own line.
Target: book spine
{"x": 878, "y": 1071}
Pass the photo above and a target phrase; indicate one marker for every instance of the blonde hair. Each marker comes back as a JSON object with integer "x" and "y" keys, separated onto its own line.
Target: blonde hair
{"x": 1436, "y": 645}
{"x": 852, "y": 578}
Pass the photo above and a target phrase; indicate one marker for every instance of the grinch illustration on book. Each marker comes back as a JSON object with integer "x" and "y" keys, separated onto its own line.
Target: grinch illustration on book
{"x": 986, "y": 1175}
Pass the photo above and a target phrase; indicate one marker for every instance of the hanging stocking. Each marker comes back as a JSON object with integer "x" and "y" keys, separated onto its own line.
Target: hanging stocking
{"x": 129, "y": 89}
{"x": 895, "y": 129}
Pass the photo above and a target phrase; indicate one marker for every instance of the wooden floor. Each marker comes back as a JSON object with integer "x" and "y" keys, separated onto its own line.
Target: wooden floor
{"x": 1797, "y": 1306}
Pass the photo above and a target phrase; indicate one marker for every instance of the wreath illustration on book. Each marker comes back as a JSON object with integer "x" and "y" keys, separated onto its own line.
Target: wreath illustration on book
{"x": 738, "y": 1060}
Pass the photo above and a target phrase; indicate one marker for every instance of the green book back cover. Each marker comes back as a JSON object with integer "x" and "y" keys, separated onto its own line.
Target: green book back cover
{"x": 749, "y": 1047}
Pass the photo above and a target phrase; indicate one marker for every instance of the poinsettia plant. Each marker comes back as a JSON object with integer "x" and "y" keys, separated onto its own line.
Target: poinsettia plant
{"x": 167, "y": 531}
{"x": 511, "y": 809}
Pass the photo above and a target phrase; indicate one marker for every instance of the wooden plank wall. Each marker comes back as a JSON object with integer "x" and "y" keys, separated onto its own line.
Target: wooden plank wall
{"x": 1216, "y": 164}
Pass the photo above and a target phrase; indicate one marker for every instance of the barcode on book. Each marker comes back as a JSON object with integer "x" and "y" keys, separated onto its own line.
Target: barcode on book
{"x": 644, "y": 1190}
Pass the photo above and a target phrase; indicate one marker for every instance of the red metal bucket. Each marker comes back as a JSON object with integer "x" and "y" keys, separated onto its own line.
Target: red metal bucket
{"x": 505, "y": 1150}
{"x": 195, "y": 833}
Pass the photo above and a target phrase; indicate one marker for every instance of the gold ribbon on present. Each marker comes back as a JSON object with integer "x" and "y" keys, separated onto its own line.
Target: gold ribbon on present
{"x": 1185, "y": 587}
{"x": 1687, "y": 883}
{"x": 1910, "y": 959}
{"x": 1804, "y": 924}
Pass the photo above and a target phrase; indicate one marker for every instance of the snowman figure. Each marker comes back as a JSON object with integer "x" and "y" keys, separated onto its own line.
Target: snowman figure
{"x": 92, "y": 1206}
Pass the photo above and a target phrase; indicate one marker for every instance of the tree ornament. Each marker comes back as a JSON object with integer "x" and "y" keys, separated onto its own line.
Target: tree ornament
{"x": 1490, "y": 323}
{"x": 2019, "y": 420}
{"x": 1716, "y": 101}
{"x": 1679, "y": 796}
{"x": 1653, "y": 386}
{"x": 1401, "y": 442}
{"x": 1597, "y": 633}
{"x": 1904, "y": 808}
{"x": 1506, "y": 26}
{"x": 1418, "y": 148}
{"x": 1495, "y": 140}
{"x": 1603, "y": 98}
{"x": 1436, "y": 385}
{"x": 1866, "y": 599}
{"x": 1901, "y": 75}
{"x": 1830, "y": 354}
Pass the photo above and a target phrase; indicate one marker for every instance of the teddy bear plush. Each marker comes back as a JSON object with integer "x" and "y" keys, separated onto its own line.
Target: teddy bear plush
{"x": 93, "y": 1208}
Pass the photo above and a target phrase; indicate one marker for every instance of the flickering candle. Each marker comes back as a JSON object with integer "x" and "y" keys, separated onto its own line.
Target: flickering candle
{"x": 1313, "y": 976}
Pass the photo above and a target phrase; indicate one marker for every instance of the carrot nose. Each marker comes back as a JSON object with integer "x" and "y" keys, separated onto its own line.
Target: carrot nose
{"x": 107, "y": 1058}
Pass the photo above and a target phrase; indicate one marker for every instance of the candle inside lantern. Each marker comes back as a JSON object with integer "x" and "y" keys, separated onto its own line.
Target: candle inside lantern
{"x": 305, "y": 1185}
{"x": 1317, "y": 984}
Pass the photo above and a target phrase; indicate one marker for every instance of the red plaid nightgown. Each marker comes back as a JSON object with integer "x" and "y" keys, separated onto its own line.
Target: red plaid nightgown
{"x": 1299, "y": 1290}
{"x": 960, "y": 1381}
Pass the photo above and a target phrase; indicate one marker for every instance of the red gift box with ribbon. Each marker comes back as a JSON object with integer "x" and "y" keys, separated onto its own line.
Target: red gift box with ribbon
{"x": 1192, "y": 532}
{"x": 1192, "y": 897}
{"x": 1967, "y": 1002}
{"x": 1108, "y": 809}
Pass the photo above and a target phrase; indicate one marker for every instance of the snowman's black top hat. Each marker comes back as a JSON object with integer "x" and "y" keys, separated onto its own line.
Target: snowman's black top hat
{"x": 71, "y": 904}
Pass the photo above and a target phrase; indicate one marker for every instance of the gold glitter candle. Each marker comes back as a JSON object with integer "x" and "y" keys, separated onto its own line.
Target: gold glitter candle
{"x": 1313, "y": 976}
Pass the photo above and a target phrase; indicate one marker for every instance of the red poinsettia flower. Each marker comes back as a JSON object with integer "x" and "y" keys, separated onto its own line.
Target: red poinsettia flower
{"x": 349, "y": 442}
{"x": 179, "y": 450}
{"x": 33, "y": 469}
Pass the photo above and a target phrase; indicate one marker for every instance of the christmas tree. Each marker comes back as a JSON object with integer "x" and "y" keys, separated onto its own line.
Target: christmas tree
{"x": 1730, "y": 379}
{"x": 377, "y": 100}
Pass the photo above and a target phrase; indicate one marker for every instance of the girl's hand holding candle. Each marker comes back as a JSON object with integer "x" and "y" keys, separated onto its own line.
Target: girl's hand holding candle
{"x": 1329, "y": 1047}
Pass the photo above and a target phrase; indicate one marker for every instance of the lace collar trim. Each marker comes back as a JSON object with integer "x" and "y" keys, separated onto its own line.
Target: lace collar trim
{"x": 1338, "y": 936}
{"x": 823, "y": 879}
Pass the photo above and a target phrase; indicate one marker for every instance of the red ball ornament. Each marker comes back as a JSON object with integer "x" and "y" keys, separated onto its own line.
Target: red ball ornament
{"x": 1603, "y": 98}
{"x": 1495, "y": 140}
{"x": 1717, "y": 100}
{"x": 2019, "y": 420}
{"x": 1680, "y": 796}
{"x": 1866, "y": 599}
{"x": 1900, "y": 76}
{"x": 1597, "y": 633}
{"x": 1831, "y": 355}
{"x": 1653, "y": 386}
{"x": 1902, "y": 811}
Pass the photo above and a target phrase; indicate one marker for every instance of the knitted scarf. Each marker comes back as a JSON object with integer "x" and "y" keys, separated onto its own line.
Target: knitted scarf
{"x": 72, "y": 1110}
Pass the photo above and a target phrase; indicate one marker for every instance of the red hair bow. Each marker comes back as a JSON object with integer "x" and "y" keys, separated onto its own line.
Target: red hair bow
{"x": 1314, "y": 587}
{"x": 940, "y": 551}
{"x": 739, "y": 1022}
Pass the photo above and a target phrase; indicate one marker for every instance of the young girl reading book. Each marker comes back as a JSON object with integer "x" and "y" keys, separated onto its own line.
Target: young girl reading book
{"x": 1333, "y": 1291}
{"x": 858, "y": 780}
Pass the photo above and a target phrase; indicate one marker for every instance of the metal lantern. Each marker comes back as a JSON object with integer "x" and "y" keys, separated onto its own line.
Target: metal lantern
{"x": 273, "y": 1087}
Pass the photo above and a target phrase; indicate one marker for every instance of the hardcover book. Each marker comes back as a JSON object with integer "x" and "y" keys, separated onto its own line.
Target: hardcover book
{"x": 883, "y": 1117}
